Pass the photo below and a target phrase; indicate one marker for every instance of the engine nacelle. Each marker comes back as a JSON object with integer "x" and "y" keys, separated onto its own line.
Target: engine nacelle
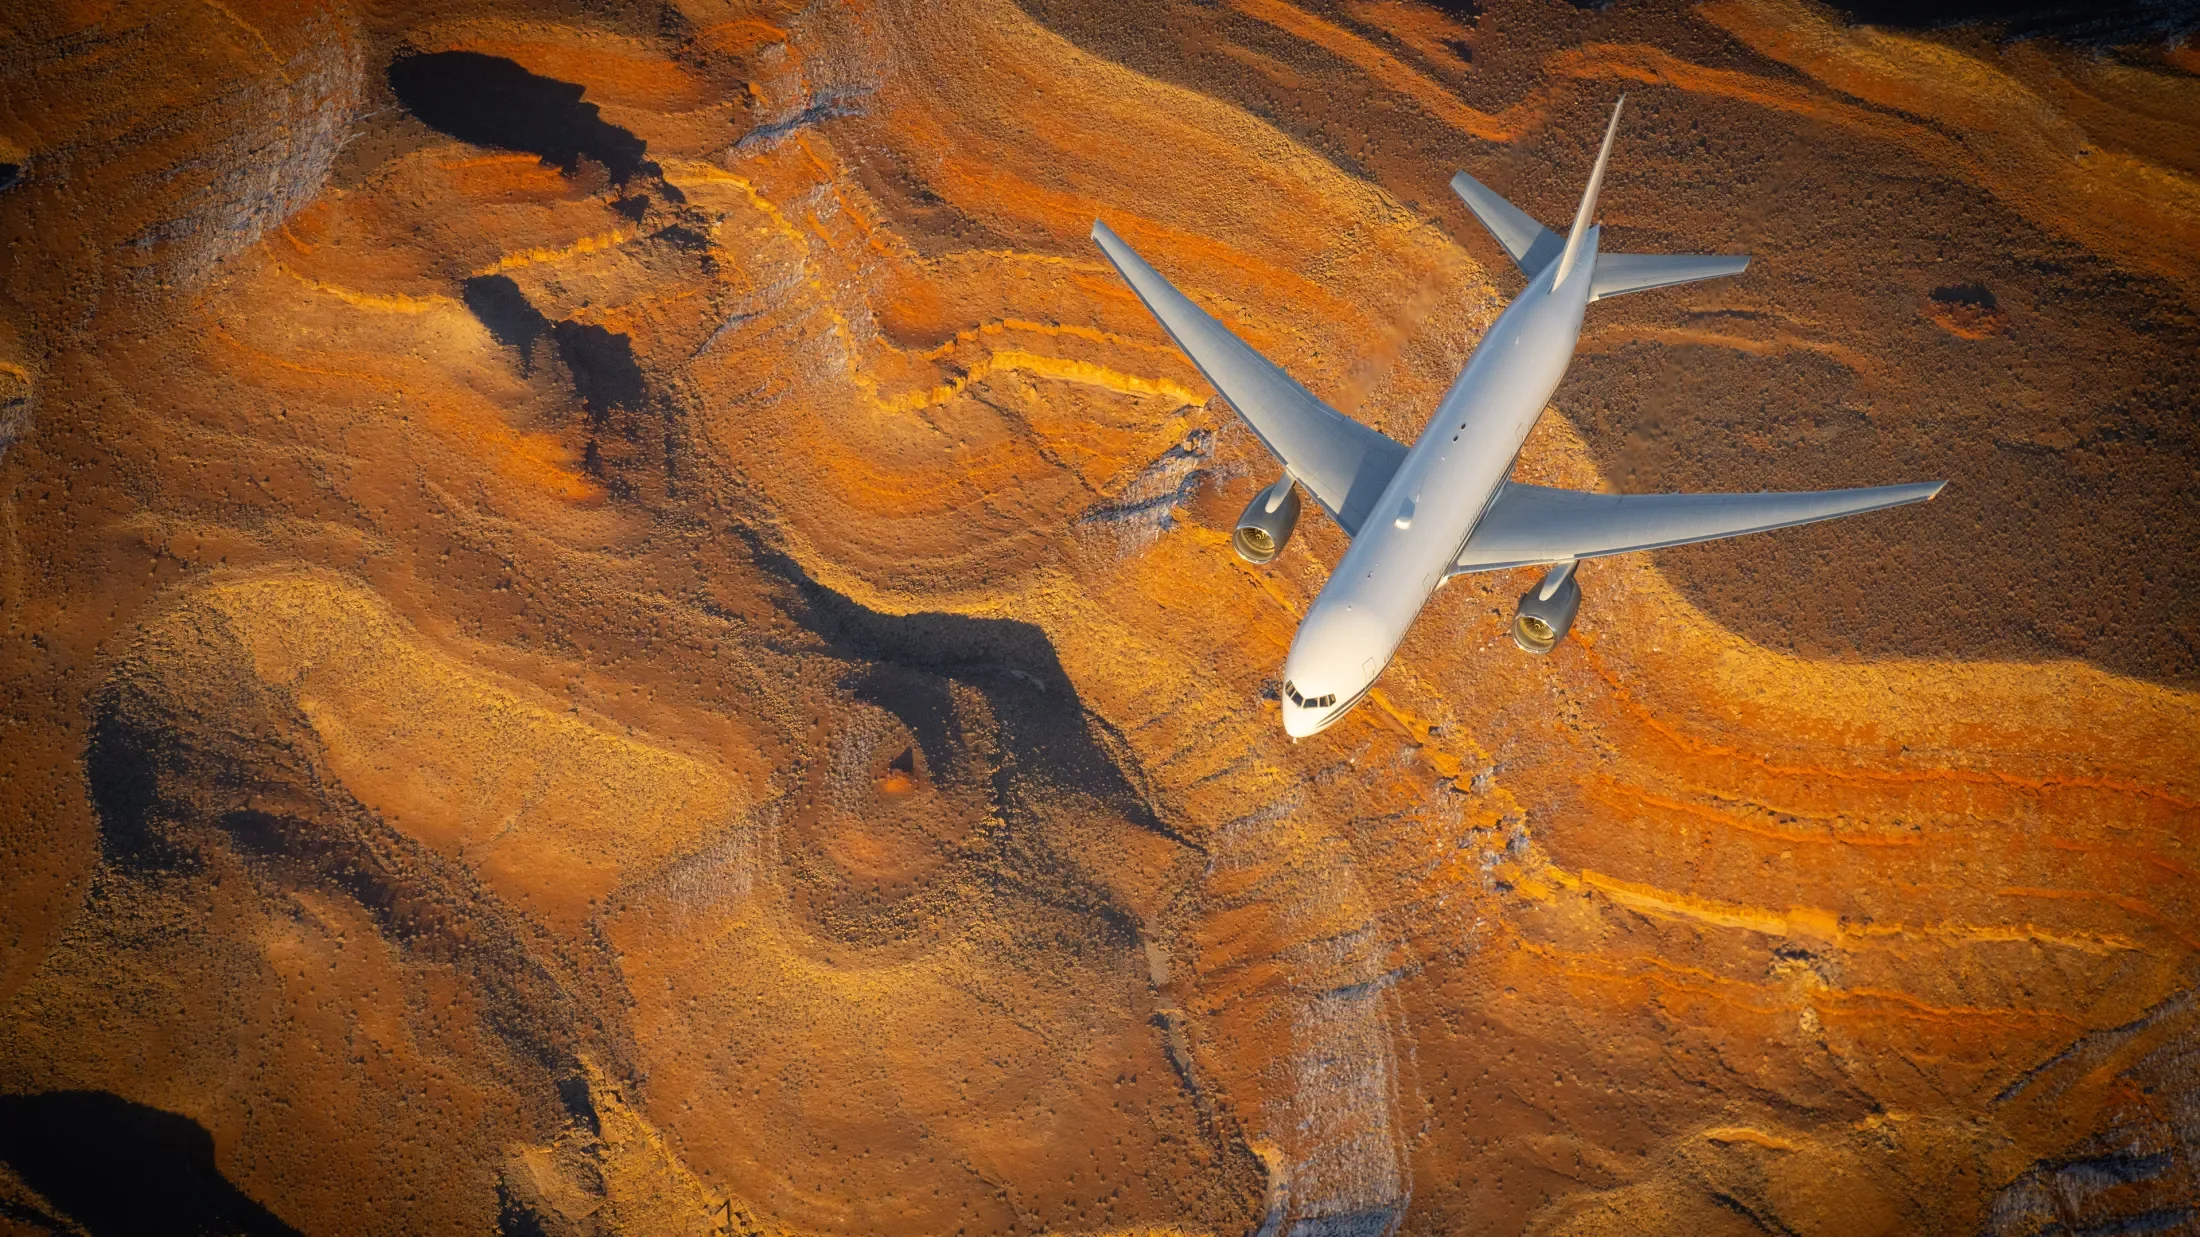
{"x": 1261, "y": 533}
{"x": 1542, "y": 622}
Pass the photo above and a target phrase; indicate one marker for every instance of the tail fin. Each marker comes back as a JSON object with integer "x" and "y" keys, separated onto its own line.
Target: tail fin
{"x": 1580, "y": 231}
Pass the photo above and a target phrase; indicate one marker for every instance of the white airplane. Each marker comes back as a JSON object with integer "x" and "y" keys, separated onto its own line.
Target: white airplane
{"x": 1446, "y": 507}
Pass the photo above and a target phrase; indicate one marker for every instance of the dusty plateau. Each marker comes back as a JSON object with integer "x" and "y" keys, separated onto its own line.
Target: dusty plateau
{"x": 611, "y": 622}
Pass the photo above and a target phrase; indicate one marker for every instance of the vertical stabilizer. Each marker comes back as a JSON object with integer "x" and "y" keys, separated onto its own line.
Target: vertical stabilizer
{"x": 1580, "y": 231}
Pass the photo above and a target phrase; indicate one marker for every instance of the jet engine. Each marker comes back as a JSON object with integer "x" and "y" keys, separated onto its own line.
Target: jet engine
{"x": 1546, "y": 614}
{"x": 1266, "y": 526}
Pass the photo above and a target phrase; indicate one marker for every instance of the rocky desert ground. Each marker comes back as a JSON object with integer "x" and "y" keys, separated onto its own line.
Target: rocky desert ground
{"x": 612, "y": 623}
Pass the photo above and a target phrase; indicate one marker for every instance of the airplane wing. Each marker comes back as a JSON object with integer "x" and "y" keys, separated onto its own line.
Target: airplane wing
{"x": 1532, "y": 524}
{"x": 1345, "y": 465}
{"x": 1618, "y": 273}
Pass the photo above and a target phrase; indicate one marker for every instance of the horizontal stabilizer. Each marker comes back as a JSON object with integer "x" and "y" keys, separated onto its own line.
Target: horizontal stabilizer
{"x": 1636, "y": 272}
{"x": 1531, "y": 245}
{"x": 1345, "y": 465}
{"x": 1531, "y": 524}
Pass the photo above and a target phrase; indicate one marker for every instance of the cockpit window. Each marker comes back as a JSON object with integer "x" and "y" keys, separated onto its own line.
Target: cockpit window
{"x": 1307, "y": 702}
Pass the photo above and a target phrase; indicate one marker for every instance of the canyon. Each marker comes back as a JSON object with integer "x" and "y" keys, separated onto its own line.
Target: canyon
{"x": 611, "y": 622}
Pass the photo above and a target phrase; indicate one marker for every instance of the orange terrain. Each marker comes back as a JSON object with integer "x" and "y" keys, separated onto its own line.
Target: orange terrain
{"x": 610, "y": 622}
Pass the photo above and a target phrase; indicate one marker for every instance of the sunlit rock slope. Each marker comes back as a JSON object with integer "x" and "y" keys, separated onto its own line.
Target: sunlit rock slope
{"x": 611, "y": 623}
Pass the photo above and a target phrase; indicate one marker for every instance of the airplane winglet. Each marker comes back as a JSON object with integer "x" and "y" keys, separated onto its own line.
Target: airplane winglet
{"x": 1580, "y": 231}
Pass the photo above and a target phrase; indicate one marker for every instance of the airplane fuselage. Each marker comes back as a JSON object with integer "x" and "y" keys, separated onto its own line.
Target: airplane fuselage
{"x": 1415, "y": 532}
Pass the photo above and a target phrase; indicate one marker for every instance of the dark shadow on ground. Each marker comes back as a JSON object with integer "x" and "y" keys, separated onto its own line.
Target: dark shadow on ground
{"x": 505, "y": 311}
{"x": 605, "y": 374}
{"x": 123, "y": 1169}
{"x": 2095, "y": 23}
{"x": 1052, "y": 743}
{"x": 491, "y": 101}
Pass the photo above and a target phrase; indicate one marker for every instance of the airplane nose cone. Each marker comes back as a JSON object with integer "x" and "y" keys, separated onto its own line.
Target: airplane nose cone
{"x": 1337, "y": 651}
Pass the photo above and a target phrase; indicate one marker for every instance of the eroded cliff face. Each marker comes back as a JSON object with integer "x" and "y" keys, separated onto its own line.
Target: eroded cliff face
{"x": 614, "y": 625}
